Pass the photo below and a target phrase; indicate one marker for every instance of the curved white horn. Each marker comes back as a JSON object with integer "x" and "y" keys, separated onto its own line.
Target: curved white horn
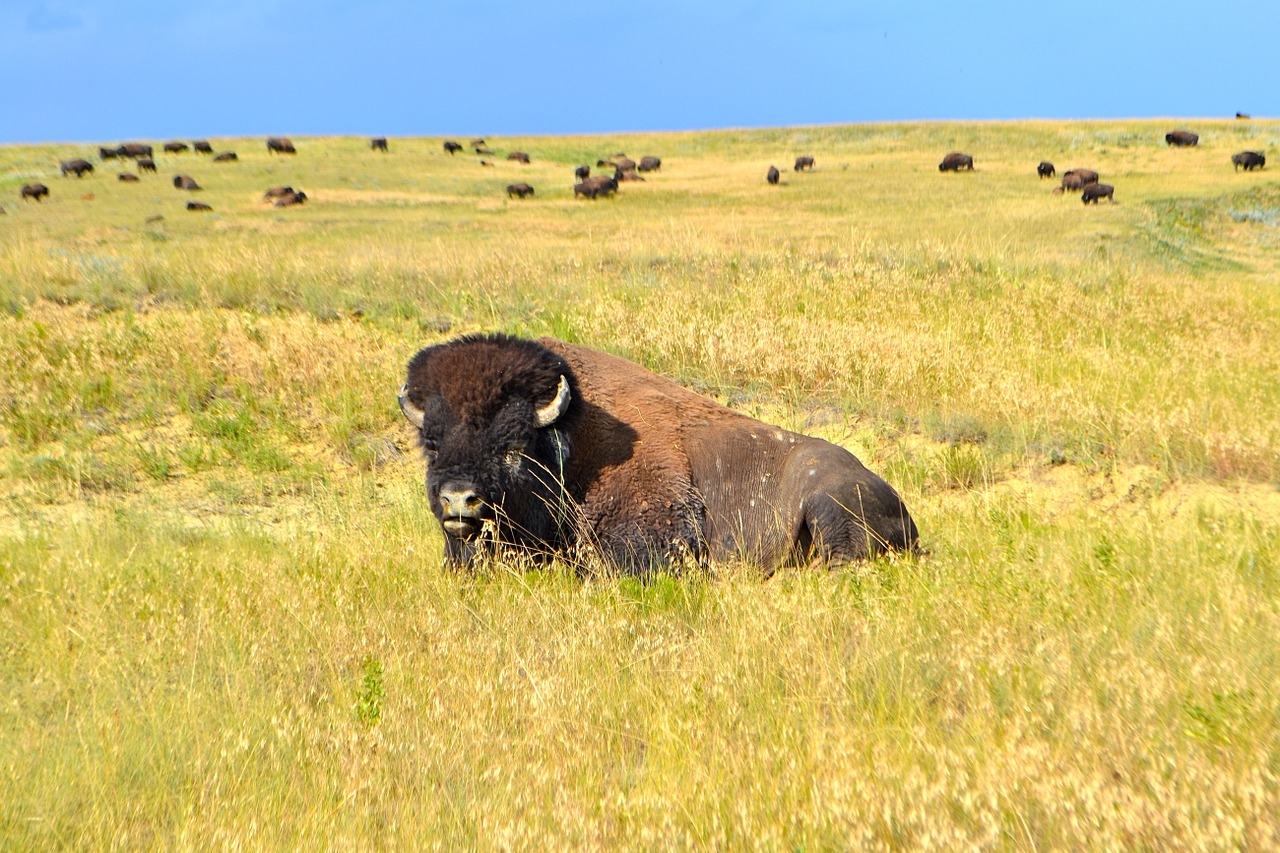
{"x": 552, "y": 412}
{"x": 415, "y": 415}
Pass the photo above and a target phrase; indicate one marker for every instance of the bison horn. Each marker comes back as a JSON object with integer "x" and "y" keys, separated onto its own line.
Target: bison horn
{"x": 415, "y": 415}
{"x": 552, "y": 412}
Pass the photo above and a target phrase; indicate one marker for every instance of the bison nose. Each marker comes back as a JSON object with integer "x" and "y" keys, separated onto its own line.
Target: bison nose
{"x": 460, "y": 501}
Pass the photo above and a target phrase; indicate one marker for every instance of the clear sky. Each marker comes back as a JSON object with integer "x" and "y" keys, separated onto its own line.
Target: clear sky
{"x": 113, "y": 70}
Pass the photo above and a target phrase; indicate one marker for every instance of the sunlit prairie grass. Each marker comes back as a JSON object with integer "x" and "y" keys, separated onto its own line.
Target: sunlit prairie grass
{"x": 223, "y": 617}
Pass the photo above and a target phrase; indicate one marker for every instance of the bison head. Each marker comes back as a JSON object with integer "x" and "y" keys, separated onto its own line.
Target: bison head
{"x": 494, "y": 415}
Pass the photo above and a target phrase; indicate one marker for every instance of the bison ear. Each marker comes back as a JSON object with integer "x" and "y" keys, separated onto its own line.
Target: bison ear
{"x": 554, "y": 410}
{"x": 415, "y": 415}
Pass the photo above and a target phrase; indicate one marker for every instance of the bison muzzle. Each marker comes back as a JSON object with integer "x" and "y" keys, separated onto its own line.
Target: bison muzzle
{"x": 545, "y": 447}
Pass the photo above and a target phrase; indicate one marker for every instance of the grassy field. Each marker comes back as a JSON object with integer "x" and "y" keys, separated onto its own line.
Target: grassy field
{"x": 223, "y": 615}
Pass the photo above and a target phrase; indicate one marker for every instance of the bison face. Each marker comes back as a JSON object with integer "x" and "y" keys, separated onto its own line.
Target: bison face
{"x": 495, "y": 473}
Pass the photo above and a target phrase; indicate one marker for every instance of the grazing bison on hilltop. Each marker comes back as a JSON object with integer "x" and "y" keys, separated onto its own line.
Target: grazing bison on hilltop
{"x": 1045, "y": 169}
{"x": 596, "y": 186}
{"x": 185, "y": 182}
{"x": 198, "y": 206}
{"x": 451, "y": 147}
{"x": 649, "y": 164}
{"x": 1181, "y": 138}
{"x": 378, "y": 143}
{"x": 518, "y": 156}
{"x": 146, "y": 164}
{"x": 291, "y": 198}
{"x": 955, "y": 161}
{"x": 1250, "y": 160}
{"x": 175, "y": 147}
{"x": 128, "y": 177}
{"x": 33, "y": 191}
{"x": 1243, "y": 116}
{"x": 772, "y": 176}
{"x": 544, "y": 447}
{"x": 76, "y": 167}
{"x": 1095, "y": 191}
{"x": 226, "y": 157}
{"x": 280, "y": 145}
{"x": 202, "y": 146}
{"x": 803, "y": 163}
{"x": 134, "y": 150}
{"x": 522, "y": 190}
{"x": 581, "y": 173}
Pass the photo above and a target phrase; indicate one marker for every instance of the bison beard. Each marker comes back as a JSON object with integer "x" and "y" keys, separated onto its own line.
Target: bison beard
{"x": 546, "y": 447}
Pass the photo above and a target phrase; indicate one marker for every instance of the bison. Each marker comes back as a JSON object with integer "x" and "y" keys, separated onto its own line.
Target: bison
{"x": 522, "y": 190}
{"x": 650, "y": 164}
{"x": 291, "y": 198}
{"x": 1045, "y": 169}
{"x": 483, "y": 149}
{"x": 280, "y": 145}
{"x": 627, "y": 175}
{"x": 146, "y": 164}
{"x": 33, "y": 191}
{"x": 451, "y": 147}
{"x": 225, "y": 157}
{"x": 600, "y": 164}
{"x": 545, "y": 447}
{"x": 76, "y": 167}
{"x": 128, "y": 177}
{"x": 1243, "y": 116}
{"x": 1095, "y": 191}
{"x": 378, "y": 143}
{"x": 518, "y": 156}
{"x": 596, "y": 186}
{"x": 773, "y": 175}
{"x": 1181, "y": 138}
{"x": 175, "y": 147}
{"x": 803, "y": 163}
{"x": 276, "y": 192}
{"x": 478, "y": 141}
{"x": 1250, "y": 160}
{"x": 185, "y": 182}
{"x": 202, "y": 146}
{"x": 134, "y": 150}
{"x": 108, "y": 153}
{"x": 198, "y": 206}
{"x": 955, "y": 161}
{"x": 1078, "y": 179}
{"x": 581, "y": 173}
{"x": 623, "y": 162}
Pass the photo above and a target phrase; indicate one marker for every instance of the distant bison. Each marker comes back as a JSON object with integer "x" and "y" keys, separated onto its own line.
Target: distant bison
{"x": 772, "y": 176}
{"x": 1076, "y": 179}
{"x": 1250, "y": 160}
{"x": 518, "y": 156}
{"x": 108, "y": 153}
{"x": 650, "y": 164}
{"x": 276, "y": 192}
{"x": 185, "y": 182}
{"x": 522, "y": 190}
{"x": 600, "y": 164}
{"x": 1045, "y": 169}
{"x": 76, "y": 167}
{"x": 378, "y": 143}
{"x": 955, "y": 161}
{"x": 478, "y": 141}
{"x": 128, "y": 177}
{"x": 202, "y": 146}
{"x": 1095, "y": 191}
{"x": 134, "y": 150}
{"x": 290, "y": 199}
{"x": 34, "y": 191}
{"x": 803, "y": 163}
{"x": 627, "y": 175}
{"x": 1243, "y": 116}
{"x": 146, "y": 164}
{"x": 280, "y": 145}
{"x": 595, "y": 187}
{"x": 451, "y": 147}
{"x": 581, "y": 173}
{"x": 198, "y": 205}
{"x": 482, "y": 149}
{"x": 1181, "y": 138}
{"x": 545, "y": 447}
{"x": 175, "y": 147}
{"x": 625, "y": 163}
{"x": 225, "y": 157}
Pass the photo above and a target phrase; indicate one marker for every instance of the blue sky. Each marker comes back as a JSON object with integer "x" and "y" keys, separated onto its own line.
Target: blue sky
{"x": 93, "y": 70}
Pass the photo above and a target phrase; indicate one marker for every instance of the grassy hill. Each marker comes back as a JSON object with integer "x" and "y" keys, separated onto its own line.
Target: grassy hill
{"x": 223, "y": 616}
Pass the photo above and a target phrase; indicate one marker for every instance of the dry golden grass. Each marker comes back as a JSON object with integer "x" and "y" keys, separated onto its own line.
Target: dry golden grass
{"x": 223, "y": 618}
